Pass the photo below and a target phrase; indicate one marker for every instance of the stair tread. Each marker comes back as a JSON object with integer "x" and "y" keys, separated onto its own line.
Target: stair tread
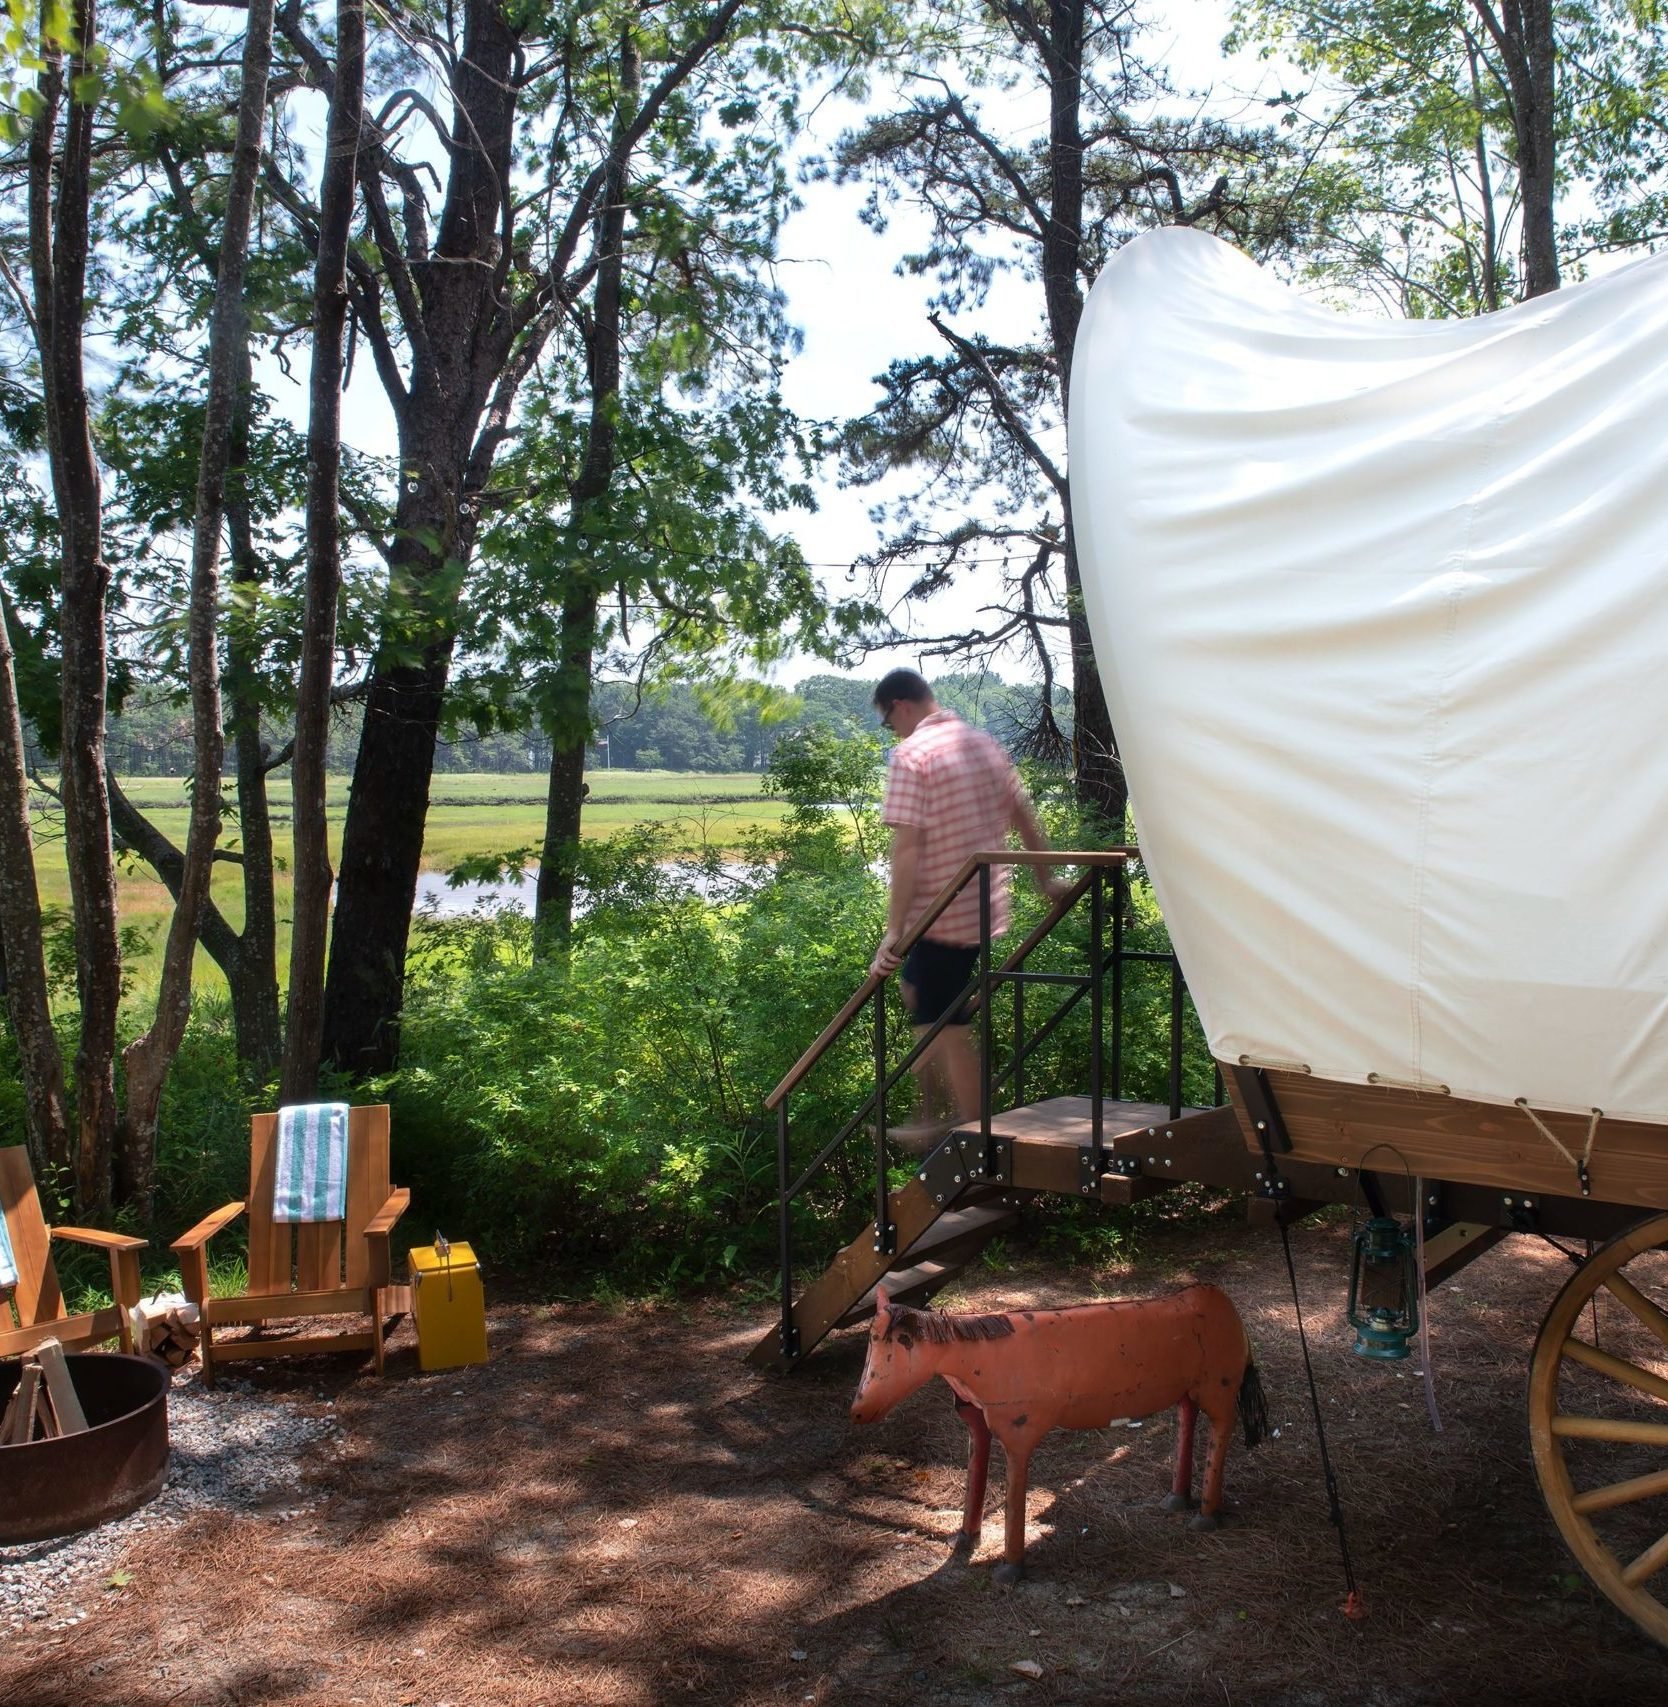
{"x": 929, "y": 1261}
{"x": 957, "y": 1223}
{"x": 902, "y": 1284}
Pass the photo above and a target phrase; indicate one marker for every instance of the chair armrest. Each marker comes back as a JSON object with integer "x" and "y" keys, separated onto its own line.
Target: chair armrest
{"x": 190, "y": 1249}
{"x": 123, "y": 1251}
{"x": 206, "y": 1229}
{"x": 104, "y": 1241}
{"x": 381, "y": 1224}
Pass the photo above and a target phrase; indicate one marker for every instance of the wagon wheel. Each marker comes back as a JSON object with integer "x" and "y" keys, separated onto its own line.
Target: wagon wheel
{"x": 1598, "y": 1420}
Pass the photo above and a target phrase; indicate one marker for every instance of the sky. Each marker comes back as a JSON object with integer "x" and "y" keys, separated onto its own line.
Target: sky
{"x": 857, "y": 315}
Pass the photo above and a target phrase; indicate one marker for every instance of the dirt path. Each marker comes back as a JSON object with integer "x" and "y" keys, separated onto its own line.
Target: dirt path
{"x": 616, "y": 1510}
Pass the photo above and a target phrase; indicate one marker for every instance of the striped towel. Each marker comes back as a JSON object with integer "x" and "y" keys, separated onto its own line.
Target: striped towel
{"x": 311, "y": 1183}
{"x": 8, "y": 1262}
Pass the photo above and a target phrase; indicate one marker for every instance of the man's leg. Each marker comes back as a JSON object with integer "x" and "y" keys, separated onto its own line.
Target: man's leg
{"x": 956, "y": 1058}
{"x": 936, "y": 974}
{"x": 937, "y": 1098}
{"x": 931, "y": 1089}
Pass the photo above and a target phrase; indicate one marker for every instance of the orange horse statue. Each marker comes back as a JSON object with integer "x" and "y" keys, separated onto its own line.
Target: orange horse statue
{"x": 1018, "y": 1374}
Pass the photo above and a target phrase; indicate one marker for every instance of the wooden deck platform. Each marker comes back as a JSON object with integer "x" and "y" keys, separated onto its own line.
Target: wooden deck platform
{"x": 1051, "y": 1142}
{"x": 968, "y": 1192}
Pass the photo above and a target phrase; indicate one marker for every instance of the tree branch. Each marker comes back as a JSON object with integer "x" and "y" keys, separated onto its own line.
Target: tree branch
{"x": 168, "y": 862}
{"x": 1010, "y": 417}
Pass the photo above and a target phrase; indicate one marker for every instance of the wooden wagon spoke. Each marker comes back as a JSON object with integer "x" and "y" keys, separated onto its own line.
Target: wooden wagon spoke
{"x": 1615, "y": 1494}
{"x": 1618, "y": 1369}
{"x": 1648, "y": 1563}
{"x": 1606, "y": 1525}
{"x": 1641, "y": 1306}
{"x": 1610, "y": 1428}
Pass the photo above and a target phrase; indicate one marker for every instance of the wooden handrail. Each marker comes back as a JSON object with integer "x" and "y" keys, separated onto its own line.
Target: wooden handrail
{"x": 1003, "y": 856}
{"x": 924, "y": 1039}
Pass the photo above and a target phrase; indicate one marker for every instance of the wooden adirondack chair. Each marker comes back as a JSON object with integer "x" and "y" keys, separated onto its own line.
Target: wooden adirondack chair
{"x": 33, "y": 1310}
{"x": 326, "y": 1268}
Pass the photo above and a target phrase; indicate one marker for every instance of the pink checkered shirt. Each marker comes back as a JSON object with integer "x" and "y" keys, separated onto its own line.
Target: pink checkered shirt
{"x": 956, "y": 785}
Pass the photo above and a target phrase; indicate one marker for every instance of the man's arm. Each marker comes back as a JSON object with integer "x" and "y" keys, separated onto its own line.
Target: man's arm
{"x": 1048, "y": 880}
{"x": 906, "y": 866}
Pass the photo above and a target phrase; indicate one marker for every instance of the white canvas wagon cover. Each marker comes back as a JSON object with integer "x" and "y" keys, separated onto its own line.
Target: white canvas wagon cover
{"x": 1382, "y": 609}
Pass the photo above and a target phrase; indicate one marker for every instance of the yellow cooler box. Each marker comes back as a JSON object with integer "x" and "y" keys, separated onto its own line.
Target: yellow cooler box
{"x": 447, "y": 1306}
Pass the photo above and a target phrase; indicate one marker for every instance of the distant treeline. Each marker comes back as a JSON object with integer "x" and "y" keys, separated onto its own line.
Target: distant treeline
{"x": 674, "y": 728}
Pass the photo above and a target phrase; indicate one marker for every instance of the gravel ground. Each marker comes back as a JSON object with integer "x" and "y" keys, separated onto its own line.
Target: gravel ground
{"x": 231, "y": 1448}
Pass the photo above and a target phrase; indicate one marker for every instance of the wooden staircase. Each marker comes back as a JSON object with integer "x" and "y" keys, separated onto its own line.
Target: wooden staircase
{"x": 970, "y": 1189}
{"x": 972, "y": 1186}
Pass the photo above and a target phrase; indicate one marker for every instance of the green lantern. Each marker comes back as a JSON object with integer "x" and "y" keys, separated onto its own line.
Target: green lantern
{"x": 1384, "y": 1289}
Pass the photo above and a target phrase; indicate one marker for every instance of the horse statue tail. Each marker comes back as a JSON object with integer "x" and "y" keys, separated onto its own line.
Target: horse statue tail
{"x": 1253, "y": 1407}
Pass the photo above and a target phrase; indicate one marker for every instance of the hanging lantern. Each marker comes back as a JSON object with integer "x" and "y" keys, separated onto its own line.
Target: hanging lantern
{"x": 1383, "y": 1289}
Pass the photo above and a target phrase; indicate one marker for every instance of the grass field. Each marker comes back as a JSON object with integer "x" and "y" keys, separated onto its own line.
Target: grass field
{"x": 470, "y": 813}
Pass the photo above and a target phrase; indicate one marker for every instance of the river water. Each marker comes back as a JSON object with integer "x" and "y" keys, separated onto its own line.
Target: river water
{"x": 439, "y": 899}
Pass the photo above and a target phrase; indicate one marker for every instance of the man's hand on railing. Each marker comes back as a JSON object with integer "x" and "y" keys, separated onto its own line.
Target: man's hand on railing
{"x": 886, "y": 960}
{"x": 1054, "y": 888}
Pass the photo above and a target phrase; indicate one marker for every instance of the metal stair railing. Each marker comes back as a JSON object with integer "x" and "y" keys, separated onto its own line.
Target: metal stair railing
{"x": 977, "y": 996}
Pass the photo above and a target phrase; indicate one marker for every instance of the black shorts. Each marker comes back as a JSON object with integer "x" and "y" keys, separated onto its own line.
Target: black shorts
{"x": 938, "y": 972}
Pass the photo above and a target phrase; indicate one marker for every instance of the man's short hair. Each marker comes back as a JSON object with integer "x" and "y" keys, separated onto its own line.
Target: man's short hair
{"x": 901, "y": 684}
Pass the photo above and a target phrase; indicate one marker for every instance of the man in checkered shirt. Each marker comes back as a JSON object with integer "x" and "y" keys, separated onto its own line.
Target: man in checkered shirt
{"x": 950, "y": 792}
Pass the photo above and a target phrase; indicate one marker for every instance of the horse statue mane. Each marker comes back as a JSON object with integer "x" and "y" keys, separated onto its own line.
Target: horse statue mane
{"x": 938, "y": 1327}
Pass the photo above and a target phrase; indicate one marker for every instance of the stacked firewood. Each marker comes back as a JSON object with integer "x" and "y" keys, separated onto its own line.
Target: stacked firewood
{"x": 44, "y": 1404}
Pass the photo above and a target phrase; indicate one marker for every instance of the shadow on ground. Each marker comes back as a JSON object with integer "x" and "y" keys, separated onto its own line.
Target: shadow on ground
{"x": 616, "y": 1510}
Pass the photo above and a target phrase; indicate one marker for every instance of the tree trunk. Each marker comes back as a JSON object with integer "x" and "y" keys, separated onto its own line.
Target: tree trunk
{"x": 1523, "y": 34}
{"x": 148, "y": 1058}
{"x": 22, "y": 960}
{"x": 59, "y": 196}
{"x": 434, "y": 530}
{"x": 311, "y": 911}
{"x": 1063, "y": 235}
{"x": 253, "y": 976}
{"x": 568, "y": 724}
{"x": 1097, "y": 774}
{"x": 1097, "y": 771}
{"x": 1537, "y": 151}
{"x": 382, "y": 848}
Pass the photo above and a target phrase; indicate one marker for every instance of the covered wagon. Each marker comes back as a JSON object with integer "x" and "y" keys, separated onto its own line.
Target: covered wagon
{"x": 1382, "y": 611}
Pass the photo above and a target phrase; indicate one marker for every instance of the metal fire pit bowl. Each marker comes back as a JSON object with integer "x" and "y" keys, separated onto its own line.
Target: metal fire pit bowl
{"x": 56, "y": 1487}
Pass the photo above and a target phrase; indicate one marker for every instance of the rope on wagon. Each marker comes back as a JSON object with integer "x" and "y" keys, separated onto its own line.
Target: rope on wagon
{"x": 1353, "y": 1606}
{"x": 1426, "y": 1372}
{"x": 1579, "y": 1163}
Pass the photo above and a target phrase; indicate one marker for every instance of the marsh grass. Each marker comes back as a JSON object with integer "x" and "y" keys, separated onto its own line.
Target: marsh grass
{"x": 471, "y": 814}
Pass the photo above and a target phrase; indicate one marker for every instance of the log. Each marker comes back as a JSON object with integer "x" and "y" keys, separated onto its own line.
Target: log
{"x": 66, "y": 1405}
{"x": 18, "y": 1429}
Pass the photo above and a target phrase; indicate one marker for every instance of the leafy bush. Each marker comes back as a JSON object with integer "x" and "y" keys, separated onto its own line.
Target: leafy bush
{"x": 608, "y": 1107}
{"x": 604, "y": 1113}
